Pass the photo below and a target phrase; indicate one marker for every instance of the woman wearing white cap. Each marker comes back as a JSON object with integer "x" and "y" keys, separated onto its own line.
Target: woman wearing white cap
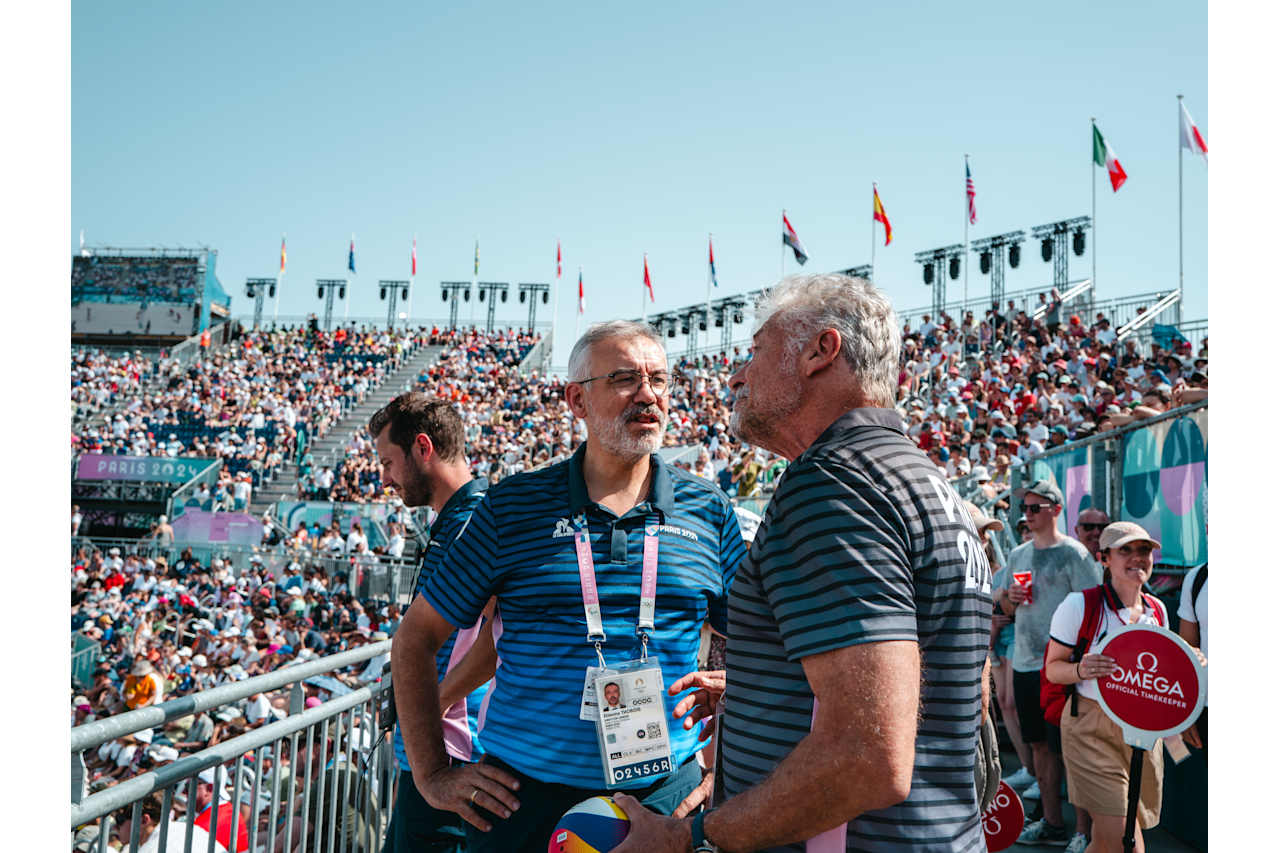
{"x": 1093, "y": 747}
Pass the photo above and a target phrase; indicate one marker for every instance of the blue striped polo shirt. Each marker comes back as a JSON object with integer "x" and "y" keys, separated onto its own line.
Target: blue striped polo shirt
{"x": 519, "y": 546}
{"x": 444, "y": 532}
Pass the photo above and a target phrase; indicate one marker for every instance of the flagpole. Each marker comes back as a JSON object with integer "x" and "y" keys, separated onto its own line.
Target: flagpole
{"x": 577, "y": 323}
{"x": 782, "y": 258}
{"x": 408, "y": 312}
{"x": 644, "y": 306}
{"x": 1180, "y": 131}
{"x": 1093, "y": 176}
{"x": 709, "y": 323}
{"x": 964, "y": 304}
{"x": 555, "y": 303}
{"x": 873, "y": 232}
{"x": 475, "y": 275}
{"x": 275, "y": 314}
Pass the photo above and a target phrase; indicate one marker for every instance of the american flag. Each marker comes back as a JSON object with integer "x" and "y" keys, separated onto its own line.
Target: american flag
{"x": 970, "y": 193}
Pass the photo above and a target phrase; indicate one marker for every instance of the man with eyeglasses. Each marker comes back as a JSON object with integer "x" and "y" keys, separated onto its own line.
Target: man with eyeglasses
{"x": 1089, "y": 527}
{"x": 1057, "y": 565}
{"x": 610, "y": 561}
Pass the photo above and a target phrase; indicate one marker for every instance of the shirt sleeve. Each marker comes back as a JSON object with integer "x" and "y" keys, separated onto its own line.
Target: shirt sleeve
{"x": 836, "y": 569}
{"x": 1185, "y": 610}
{"x": 467, "y": 575}
{"x": 1087, "y": 573}
{"x": 732, "y": 550}
{"x": 1001, "y": 579}
{"x": 1067, "y": 619}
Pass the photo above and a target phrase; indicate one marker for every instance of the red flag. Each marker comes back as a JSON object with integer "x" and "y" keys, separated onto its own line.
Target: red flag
{"x": 582, "y": 296}
{"x": 557, "y": 259}
{"x": 878, "y": 215}
{"x": 647, "y": 282}
{"x": 414, "y": 270}
{"x": 1191, "y": 138}
{"x": 283, "y": 256}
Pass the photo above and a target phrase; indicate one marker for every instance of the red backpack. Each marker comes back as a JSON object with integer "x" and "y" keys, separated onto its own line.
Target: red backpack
{"x": 1053, "y": 697}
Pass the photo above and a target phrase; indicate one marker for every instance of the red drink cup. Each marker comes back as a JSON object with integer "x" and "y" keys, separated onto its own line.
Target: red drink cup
{"x": 1023, "y": 579}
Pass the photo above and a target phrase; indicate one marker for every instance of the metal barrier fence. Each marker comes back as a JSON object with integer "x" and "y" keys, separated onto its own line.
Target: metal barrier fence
{"x": 85, "y": 654}
{"x": 334, "y": 795}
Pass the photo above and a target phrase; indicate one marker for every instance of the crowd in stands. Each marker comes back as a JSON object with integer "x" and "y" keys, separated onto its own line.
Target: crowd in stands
{"x": 101, "y": 382}
{"x": 141, "y": 279}
{"x": 982, "y": 397}
{"x": 168, "y": 630}
{"x": 256, "y": 403}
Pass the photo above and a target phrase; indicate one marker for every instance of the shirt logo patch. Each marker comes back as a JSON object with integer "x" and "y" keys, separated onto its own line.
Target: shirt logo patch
{"x": 563, "y": 529}
{"x": 679, "y": 531}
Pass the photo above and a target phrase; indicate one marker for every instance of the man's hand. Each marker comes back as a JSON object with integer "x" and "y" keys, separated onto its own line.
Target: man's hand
{"x": 1017, "y": 593}
{"x": 462, "y": 787}
{"x": 1192, "y": 737}
{"x": 701, "y": 703}
{"x": 697, "y": 796}
{"x": 652, "y": 833}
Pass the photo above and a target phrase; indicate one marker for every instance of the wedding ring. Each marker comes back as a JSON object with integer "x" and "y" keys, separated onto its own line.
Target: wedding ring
{"x": 474, "y": 791}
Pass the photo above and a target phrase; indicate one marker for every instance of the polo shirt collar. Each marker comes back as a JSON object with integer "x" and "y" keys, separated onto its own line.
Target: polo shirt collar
{"x": 661, "y": 493}
{"x": 870, "y": 416}
{"x": 457, "y": 499}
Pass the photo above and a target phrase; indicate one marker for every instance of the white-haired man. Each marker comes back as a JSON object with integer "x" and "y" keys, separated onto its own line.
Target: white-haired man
{"x": 644, "y": 551}
{"x": 858, "y": 622}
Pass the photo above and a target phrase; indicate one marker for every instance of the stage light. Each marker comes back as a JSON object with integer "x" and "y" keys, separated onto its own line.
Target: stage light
{"x": 249, "y": 292}
{"x": 702, "y": 325}
{"x": 546, "y": 297}
{"x": 1015, "y": 255}
{"x": 480, "y": 295}
{"x": 271, "y": 291}
{"x": 954, "y": 268}
{"x": 504, "y": 296}
{"x": 737, "y": 316}
{"x": 984, "y": 262}
{"x": 1077, "y": 243}
{"x": 720, "y": 321}
{"x": 671, "y": 331}
{"x": 522, "y": 296}
{"x": 928, "y": 273}
{"x": 320, "y": 293}
{"x": 404, "y": 293}
{"x": 1046, "y": 249}
{"x": 444, "y": 296}
{"x": 466, "y": 295}
{"x": 382, "y": 294}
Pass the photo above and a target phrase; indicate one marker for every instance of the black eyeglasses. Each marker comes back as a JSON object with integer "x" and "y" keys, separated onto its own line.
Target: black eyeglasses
{"x": 628, "y": 381}
{"x": 1083, "y": 526}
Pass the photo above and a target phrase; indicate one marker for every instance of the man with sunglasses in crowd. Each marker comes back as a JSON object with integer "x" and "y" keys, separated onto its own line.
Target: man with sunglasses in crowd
{"x": 607, "y": 564}
{"x": 1058, "y": 565}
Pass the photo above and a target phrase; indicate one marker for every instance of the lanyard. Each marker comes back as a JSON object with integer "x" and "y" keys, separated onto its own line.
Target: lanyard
{"x": 591, "y": 597}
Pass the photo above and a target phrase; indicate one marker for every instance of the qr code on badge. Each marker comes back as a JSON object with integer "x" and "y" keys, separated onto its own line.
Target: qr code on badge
{"x": 655, "y": 730}
{"x": 612, "y": 738}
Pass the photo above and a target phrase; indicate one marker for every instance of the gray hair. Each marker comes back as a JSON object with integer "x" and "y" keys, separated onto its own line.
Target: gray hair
{"x": 596, "y": 332}
{"x": 868, "y": 327}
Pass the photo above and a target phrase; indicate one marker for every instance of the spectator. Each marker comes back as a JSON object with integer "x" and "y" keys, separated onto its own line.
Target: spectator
{"x": 1057, "y": 565}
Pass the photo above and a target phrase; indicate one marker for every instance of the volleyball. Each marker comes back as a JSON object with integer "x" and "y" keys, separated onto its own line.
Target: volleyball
{"x": 592, "y": 826}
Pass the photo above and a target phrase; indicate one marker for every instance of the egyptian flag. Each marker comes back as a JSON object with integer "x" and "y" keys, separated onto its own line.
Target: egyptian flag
{"x": 790, "y": 238}
{"x": 1105, "y": 157}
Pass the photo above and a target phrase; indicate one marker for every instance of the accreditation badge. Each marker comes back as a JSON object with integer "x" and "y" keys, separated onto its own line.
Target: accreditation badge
{"x": 590, "y": 710}
{"x": 635, "y": 744}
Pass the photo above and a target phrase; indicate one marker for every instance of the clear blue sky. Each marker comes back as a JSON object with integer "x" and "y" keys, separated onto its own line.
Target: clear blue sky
{"x": 622, "y": 129}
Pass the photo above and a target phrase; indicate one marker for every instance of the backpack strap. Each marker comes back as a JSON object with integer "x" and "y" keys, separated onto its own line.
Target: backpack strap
{"x": 1199, "y": 584}
{"x": 1093, "y": 603}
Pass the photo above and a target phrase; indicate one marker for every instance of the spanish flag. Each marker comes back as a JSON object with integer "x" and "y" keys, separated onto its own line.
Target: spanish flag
{"x": 878, "y": 215}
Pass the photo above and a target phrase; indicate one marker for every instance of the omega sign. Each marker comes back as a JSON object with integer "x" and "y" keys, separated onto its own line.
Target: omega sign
{"x": 1157, "y": 687}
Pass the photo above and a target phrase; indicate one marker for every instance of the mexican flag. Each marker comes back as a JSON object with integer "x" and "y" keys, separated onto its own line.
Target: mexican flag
{"x": 1104, "y": 156}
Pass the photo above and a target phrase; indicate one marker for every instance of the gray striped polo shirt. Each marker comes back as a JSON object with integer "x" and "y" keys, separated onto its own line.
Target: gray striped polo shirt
{"x": 863, "y": 542}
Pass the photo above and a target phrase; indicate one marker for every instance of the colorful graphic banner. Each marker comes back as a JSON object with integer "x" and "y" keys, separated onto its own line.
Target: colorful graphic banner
{"x": 230, "y": 528}
{"x": 148, "y": 469}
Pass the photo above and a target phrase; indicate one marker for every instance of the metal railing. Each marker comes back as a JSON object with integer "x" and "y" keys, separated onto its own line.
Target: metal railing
{"x": 85, "y": 654}
{"x": 293, "y": 802}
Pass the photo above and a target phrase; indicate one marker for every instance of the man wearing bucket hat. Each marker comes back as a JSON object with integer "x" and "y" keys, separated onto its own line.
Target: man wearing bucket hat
{"x": 1043, "y": 572}
{"x": 143, "y": 686}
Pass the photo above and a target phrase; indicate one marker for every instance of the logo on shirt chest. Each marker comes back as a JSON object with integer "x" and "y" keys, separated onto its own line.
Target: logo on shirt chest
{"x": 563, "y": 529}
